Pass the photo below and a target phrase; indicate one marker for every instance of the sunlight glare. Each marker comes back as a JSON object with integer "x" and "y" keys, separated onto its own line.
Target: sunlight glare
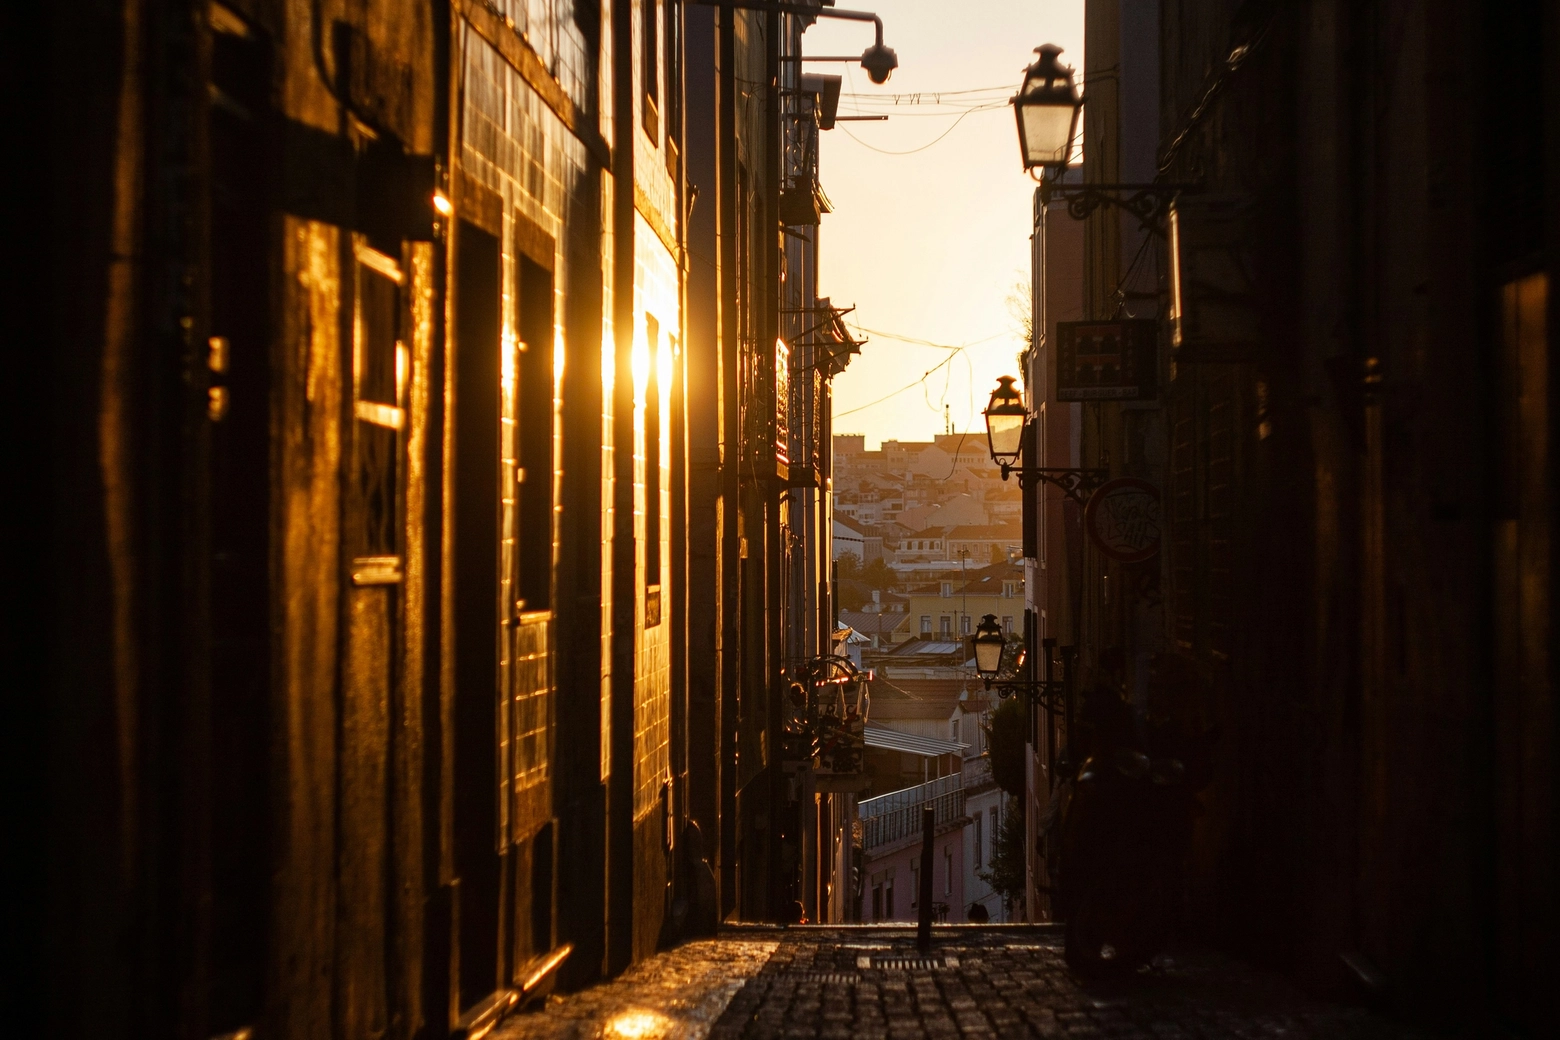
{"x": 637, "y": 1024}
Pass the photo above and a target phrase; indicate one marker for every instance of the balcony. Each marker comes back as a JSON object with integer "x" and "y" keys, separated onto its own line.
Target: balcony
{"x": 897, "y": 815}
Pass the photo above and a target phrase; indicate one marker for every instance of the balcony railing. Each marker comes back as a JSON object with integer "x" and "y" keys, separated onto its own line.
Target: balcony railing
{"x": 891, "y": 817}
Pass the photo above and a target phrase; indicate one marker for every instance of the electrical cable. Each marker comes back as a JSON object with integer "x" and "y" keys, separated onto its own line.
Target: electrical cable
{"x": 1006, "y": 88}
{"x": 924, "y": 342}
{"x": 912, "y": 151}
{"x": 896, "y": 393}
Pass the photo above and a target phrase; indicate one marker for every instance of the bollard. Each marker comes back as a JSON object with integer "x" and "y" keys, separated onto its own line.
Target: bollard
{"x": 923, "y": 926}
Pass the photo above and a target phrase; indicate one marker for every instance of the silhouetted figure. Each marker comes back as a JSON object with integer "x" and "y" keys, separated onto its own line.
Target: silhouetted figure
{"x": 978, "y": 914}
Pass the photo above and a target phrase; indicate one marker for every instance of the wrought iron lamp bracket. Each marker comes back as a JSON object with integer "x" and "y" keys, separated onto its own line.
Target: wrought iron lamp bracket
{"x": 1076, "y": 484}
{"x": 1046, "y": 693}
{"x": 1147, "y": 202}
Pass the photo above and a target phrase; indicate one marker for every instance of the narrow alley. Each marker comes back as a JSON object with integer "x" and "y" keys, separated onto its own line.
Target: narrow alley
{"x": 873, "y": 984}
{"x": 724, "y": 519}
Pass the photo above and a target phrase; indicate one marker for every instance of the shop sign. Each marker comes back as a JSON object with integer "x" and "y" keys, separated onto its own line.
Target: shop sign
{"x": 1122, "y": 519}
{"x": 1107, "y": 360}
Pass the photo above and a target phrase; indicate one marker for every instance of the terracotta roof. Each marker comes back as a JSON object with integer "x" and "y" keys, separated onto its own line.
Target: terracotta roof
{"x": 985, "y": 581}
{"x": 845, "y": 521}
{"x": 935, "y": 689}
{"x": 1006, "y": 532}
{"x": 911, "y": 699}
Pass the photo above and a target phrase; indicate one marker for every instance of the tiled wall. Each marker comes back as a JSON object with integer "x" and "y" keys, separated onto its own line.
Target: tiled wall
{"x": 550, "y": 28}
{"x": 656, "y": 293}
{"x": 516, "y": 145}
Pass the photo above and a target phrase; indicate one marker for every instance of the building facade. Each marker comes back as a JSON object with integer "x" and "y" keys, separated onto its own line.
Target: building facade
{"x": 446, "y": 505}
{"x": 1355, "y": 468}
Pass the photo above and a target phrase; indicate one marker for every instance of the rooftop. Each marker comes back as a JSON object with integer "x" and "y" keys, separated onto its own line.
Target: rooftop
{"x": 875, "y": 623}
{"x": 909, "y": 743}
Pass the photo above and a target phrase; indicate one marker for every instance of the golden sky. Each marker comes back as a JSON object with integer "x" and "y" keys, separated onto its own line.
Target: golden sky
{"x": 928, "y": 245}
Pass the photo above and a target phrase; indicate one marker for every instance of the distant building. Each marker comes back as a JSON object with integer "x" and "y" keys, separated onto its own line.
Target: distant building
{"x": 962, "y": 509}
{"x": 853, "y": 536}
{"x": 922, "y": 546}
{"x": 951, "y": 608}
{"x": 891, "y": 837}
{"x": 983, "y": 804}
{"x": 985, "y": 543}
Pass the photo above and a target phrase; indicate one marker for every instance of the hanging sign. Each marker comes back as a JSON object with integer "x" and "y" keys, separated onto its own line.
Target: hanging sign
{"x": 1107, "y": 360}
{"x": 1214, "y": 314}
{"x": 1122, "y": 519}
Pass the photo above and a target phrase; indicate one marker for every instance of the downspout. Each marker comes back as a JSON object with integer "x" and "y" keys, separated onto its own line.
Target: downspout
{"x": 620, "y": 782}
{"x": 730, "y": 459}
{"x": 773, "y": 558}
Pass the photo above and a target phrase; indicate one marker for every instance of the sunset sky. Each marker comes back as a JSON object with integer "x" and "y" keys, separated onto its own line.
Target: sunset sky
{"x": 928, "y": 245}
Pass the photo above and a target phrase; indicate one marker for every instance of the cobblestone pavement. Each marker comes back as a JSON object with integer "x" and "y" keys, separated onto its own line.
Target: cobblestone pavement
{"x": 677, "y": 994}
{"x": 834, "y": 984}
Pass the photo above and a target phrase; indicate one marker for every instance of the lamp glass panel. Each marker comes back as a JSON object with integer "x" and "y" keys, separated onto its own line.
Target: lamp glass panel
{"x": 988, "y": 655}
{"x": 1006, "y": 433}
{"x": 1047, "y": 132}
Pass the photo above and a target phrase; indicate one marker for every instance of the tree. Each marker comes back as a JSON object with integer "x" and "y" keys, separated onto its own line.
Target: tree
{"x": 878, "y": 575}
{"x": 998, "y": 554}
{"x": 1007, "y": 873}
{"x": 1021, "y": 308}
{"x": 1006, "y": 736}
{"x": 849, "y": 566}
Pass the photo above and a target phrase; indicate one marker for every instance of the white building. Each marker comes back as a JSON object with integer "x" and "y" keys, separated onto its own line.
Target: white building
{"x": 982, "y": 805}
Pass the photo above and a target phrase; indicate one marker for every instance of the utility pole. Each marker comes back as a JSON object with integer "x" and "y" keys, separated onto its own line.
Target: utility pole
{"x": 923, "y": 924}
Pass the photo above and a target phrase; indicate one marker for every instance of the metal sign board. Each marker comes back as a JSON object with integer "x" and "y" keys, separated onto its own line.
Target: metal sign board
{"x": 1213, "y": 283}
{"x": 1122, "y": 519}
{"x": 1107, "y": 360}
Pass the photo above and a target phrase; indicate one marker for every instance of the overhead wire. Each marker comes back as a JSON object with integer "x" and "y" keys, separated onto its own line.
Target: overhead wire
{"x": 924, "y": 342}
{"x": 909, "y": 151}
{"x": 908, "y": 386}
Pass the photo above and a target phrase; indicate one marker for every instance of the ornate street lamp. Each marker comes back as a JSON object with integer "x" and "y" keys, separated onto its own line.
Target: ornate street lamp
{"x": 1047, "y": 107}
{"x": 989, "y": 644}
{"x": 1006, "y": 418}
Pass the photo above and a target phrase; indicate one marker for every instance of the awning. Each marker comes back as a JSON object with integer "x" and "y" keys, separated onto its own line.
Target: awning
{"x": 893, "y": 740}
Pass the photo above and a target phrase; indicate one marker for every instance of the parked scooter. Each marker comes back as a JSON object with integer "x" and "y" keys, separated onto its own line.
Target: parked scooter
{"x": 1123, "y": 835}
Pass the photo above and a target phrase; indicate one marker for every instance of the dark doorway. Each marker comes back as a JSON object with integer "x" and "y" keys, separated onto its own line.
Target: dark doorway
{"x": 534, "y": 293}
{"x": 478, "y": 843}
{"x": 238, "y": 360}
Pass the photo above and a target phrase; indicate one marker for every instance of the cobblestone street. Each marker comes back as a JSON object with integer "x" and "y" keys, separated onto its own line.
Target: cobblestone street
{"x": 979, "y": 982}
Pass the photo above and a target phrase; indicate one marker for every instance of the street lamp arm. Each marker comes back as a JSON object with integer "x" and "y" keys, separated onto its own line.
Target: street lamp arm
{"x": 801, "y": 9}
{"x": 1049, "y": 694}
{"x": 1076, "y": 484}
{"x": 1147, "y": 202}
